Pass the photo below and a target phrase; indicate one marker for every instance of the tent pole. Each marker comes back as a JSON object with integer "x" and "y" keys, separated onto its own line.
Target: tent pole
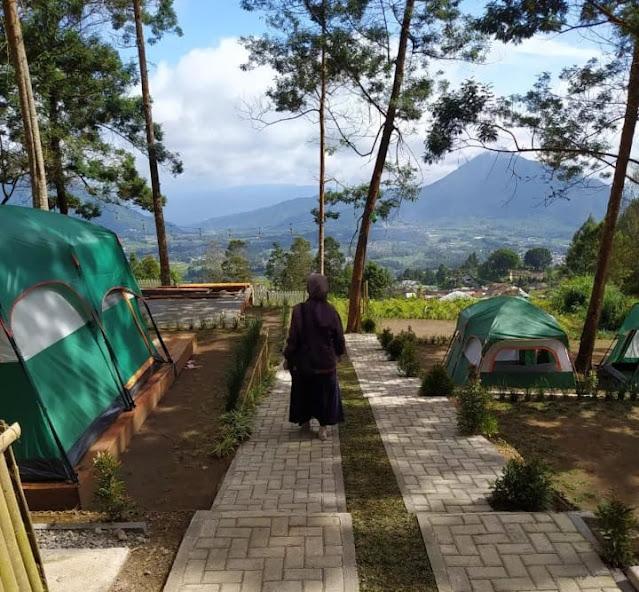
{"x": 71, "y": 474}
{"x": 169, "y": 359}
{"x": 125, "y": 394}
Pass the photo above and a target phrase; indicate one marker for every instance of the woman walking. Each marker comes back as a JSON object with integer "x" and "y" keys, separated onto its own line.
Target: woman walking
{"x": 314, "y": 346}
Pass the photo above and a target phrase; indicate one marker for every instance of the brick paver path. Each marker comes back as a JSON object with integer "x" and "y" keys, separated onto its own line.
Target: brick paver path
{"x": 282, "y": 468}
{"x": 446, "y": 480}
{"x": 278, "y": 523}
{"x": 437, "y": 471}
{"x": 520, "y": 552}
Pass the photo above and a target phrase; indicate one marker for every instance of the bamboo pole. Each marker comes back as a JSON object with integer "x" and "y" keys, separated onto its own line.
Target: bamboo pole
{"x": 30, "y": 566}
{"x": 15, "y": 556}
{"x": 7, "y": 575}
{"x": 26, "y": 515}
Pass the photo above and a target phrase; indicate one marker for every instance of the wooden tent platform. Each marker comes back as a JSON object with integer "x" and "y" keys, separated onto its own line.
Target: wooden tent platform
{"x": 67, "y": 496}
{"x": 198, "y": 290}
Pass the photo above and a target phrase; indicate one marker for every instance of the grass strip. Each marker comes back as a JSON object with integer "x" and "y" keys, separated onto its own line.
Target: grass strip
{"x": 391, "y": 554}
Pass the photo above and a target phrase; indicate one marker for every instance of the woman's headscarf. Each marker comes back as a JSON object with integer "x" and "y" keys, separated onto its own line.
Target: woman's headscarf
{"x": 317, "y": 287}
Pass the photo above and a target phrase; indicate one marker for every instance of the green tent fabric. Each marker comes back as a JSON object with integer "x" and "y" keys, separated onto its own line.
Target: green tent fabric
{"x": 623, "y": 360}
{"x": 532, "y": 336}
{"x": 72, "y": 340}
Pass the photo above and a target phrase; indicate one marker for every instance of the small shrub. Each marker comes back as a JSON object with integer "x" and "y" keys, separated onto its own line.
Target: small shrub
{"x": 514, "y": 396}
{"x": 540, "y": 393}
{"x": 409, "y": 363}
{"x": 588, "y": 384}
{"x": 235, "y": 427}
{"x": 368, "y": 325}
{"x": 203, "y": 324}
{"x": 523, "y": 487}
{"x": 616, "y": 521}
{"x": 396, "y": 346}
{"x": 474, "y": 416}
{"x": 436, "y": 382}
{"x": 110, "y": 492}
{"x": 385, "y": 337}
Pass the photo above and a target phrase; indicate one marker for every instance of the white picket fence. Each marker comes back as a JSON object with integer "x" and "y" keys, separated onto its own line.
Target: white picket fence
{"x": 267, "y": 297}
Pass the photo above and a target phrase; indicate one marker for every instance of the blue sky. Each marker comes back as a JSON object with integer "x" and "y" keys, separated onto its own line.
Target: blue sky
{"x": 201, "y": 97}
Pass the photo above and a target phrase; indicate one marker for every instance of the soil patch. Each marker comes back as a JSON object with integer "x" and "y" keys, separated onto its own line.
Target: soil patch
{"x": 421, "y": 327}
{"x": 168, "y": 465}
{"x": 591, "y": 445}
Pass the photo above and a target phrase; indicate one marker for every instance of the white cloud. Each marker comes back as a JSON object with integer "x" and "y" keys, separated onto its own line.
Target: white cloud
{"x": 199, "y": 102}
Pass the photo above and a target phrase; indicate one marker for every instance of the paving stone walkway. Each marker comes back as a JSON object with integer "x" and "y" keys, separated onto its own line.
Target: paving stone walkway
{"x": 279, "y": 521}
{"x": 445, "y": 479}
{"x": 437, "y": 471}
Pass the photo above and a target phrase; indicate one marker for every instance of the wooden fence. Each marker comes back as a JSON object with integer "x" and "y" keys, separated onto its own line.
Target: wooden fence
{"x": 266, "y": 297}
{"x": 20, "y": 563}
{"x": 259, "y": 369}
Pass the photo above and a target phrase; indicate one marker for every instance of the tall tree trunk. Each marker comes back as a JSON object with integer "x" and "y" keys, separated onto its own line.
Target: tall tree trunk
{"x": 586, "y": 347}
{"x": 354, "y": 312}
{"x": 165, "y": 271}
{"x": 322, "y": 174}
{"x": 27, "y": 105}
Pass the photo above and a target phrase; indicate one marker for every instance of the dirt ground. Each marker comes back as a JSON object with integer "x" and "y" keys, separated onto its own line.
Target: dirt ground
{"x": 167, "y": 466}
{"x": 590, "y": 445}
{"x": 421, "y": 328}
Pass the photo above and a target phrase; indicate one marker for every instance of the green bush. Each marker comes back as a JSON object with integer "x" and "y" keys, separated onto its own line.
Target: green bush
{"x": 110, "y": 491}
{"x": 385, "y": 337}
{"x": 436, "y": 382}
{"x": 474, "y": 416}
{"x": 368, "y": 325}
{"x": 409, "y": 363}
{"x": 588, "y": 384}
{"x": 235, "y": 427}
{"x": 523, "y": 487}
{"x": 396, "y": 346}
{"x": 573, "y": 296}
{"x": 616, "y": 521}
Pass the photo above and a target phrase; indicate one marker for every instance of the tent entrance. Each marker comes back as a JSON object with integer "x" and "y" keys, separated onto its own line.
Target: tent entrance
{"x": 527, "y": 362}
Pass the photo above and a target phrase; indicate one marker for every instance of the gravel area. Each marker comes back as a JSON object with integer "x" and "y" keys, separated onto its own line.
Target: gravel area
{"x": 95, "y": 538}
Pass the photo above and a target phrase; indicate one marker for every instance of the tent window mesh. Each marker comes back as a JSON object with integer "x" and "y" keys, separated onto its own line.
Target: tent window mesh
{"x": 43, "y": 317}
{"x": 632, "y": 351}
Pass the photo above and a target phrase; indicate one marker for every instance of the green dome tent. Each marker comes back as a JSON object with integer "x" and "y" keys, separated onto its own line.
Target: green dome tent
{"x": 511, "y": 343}
{"x": 622, "y": 362}
{"x": 73, "y": 343}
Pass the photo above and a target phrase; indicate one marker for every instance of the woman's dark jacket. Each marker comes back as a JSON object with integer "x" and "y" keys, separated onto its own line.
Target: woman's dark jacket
{"x": 316, "y": 331}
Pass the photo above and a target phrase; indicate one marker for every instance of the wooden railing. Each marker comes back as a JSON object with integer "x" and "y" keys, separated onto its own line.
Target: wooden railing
{"x": 20, "y": 563}
{"x": 259, "y": 369}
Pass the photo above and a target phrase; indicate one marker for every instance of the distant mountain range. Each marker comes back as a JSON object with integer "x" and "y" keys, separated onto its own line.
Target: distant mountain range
{"x": 489, "y": 187}
{"x": 488, "y": 202}
{"x": 190, "y": 208}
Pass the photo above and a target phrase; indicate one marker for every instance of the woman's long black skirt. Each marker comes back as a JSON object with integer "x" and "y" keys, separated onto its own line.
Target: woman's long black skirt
{"x": 316, "y": 396}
